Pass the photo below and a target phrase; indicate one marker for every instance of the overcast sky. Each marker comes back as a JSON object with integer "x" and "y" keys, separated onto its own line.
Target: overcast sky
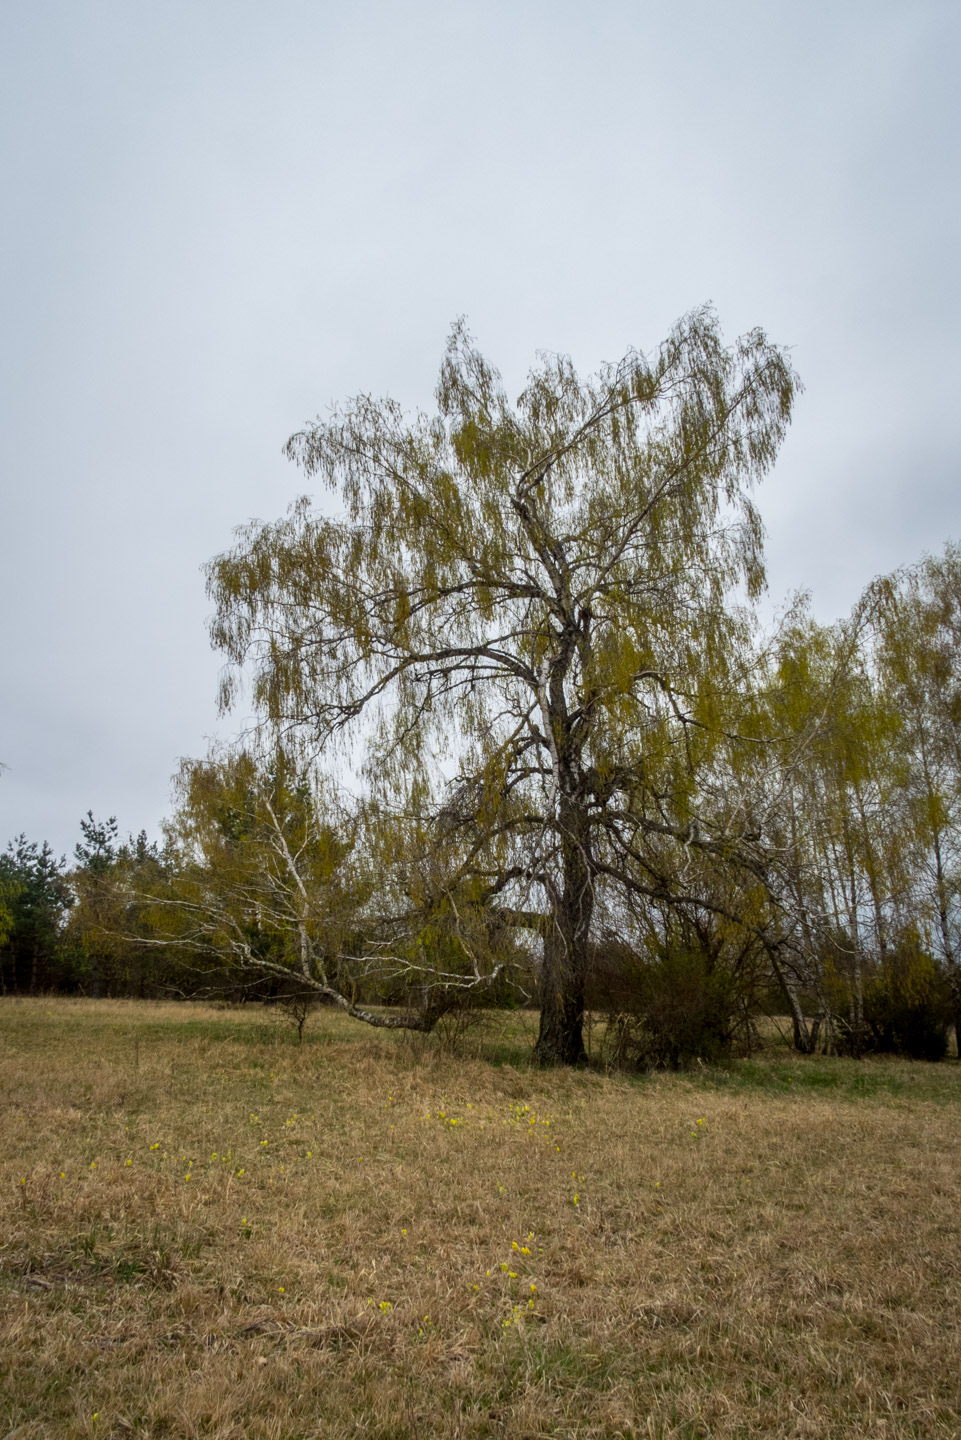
{"x": 220, "y": 216}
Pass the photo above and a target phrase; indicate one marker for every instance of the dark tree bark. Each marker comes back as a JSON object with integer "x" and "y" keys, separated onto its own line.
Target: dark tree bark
{"x": 560, "y": 1039}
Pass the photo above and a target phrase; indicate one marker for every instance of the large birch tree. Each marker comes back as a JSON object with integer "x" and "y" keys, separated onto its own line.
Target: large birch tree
{"x": 528, "y": 623}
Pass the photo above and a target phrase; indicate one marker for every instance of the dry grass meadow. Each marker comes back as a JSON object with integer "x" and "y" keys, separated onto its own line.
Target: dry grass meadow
{"x": 208, "y": 1230}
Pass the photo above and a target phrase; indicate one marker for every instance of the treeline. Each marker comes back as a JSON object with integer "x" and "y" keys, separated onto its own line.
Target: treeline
{"x": 588, "y": 781}
{"x": 60, "y": 927}
{"x": 869, "y": 816}
{"x": 267, "y": 884}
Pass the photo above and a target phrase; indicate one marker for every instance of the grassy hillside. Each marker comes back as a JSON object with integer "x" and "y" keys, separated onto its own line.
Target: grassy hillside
{"x": 209, "y": 1230}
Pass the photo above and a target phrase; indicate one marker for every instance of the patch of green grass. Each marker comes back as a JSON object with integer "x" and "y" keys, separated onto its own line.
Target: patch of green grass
{"x": 872, "y": 1077}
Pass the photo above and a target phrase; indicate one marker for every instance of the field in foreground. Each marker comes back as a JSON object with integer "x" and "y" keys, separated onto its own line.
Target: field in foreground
{"x": 209, "y": 1230}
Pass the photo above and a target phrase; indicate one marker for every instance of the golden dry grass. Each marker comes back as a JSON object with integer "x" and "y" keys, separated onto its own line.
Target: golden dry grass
{"x": 209, "y": 1231}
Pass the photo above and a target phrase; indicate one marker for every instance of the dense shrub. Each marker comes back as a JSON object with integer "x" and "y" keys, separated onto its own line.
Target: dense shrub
{"x": 907, "y": 1007}
{"x": 666, "y": 1012}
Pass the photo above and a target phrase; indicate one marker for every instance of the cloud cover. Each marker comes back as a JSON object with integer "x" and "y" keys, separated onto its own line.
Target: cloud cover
{"x": 221, "y": 216}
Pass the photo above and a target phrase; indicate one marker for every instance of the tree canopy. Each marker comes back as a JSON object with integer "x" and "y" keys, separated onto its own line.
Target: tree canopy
{"x": 529, "y": 621}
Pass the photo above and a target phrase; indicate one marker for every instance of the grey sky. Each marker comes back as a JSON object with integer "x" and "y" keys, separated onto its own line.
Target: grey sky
{"x": 219, "y": 216}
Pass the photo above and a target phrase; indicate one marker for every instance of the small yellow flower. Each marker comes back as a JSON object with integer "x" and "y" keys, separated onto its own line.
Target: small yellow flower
{"x": 281, "y": 1290}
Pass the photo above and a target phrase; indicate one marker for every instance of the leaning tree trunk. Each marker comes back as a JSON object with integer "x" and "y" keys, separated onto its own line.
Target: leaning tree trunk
{"x": 950, "y": 951}
{"x": 560, "y": 1040}
{"x": 802, "y": 1036}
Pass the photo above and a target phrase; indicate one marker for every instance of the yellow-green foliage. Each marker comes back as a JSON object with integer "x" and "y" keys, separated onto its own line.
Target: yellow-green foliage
{"x": 544, "y": 596}
{"x": 906, "y": 1004}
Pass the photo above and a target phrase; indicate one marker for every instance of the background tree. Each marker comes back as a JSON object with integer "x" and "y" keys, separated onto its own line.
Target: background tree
{"x": 919, "y": 668}
{"x": 96, "y": 947}
{"x": 546, "y": 595}
{"x": 36, "y": 898}
{"x": 863, "y": 815}
{"x": 833, "y": 817}
{"x": 273, "y": 884}
{"x": 106, "y": 939}
{"x": 9, "y": 890}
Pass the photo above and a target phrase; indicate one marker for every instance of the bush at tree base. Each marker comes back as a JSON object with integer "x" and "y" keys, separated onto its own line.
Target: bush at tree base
{"x": 668, "y": 1011}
